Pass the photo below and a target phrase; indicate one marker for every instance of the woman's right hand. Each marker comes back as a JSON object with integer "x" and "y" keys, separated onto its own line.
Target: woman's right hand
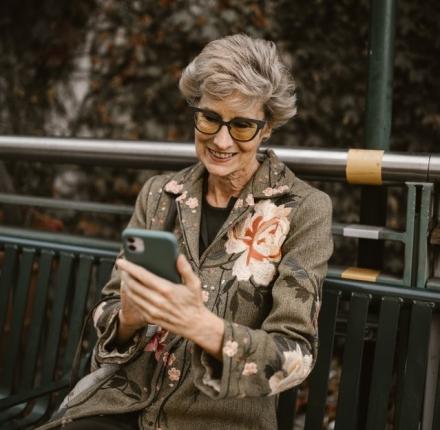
{"x": 130, "y": 316}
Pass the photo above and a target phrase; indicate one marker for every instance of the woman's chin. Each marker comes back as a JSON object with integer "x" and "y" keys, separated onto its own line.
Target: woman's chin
{"x": 217, "y": 167}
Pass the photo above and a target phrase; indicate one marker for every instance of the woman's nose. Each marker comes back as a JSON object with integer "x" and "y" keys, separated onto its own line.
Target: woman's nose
{"x": 223, "y": 139}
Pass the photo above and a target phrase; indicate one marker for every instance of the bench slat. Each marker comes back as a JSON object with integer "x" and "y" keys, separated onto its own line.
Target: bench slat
{"x": 78, "y": 309}
{"x": 346, "y": 412}
{"x": 381, "y": 378}
{"x": 412, "y": 389}
{"x": 20, "y": 296}
{"x": 38, "y": 314}
{"x": 436, "y": 418}
{"x": 319, "y": 377}
{"x": 6, "y": 281}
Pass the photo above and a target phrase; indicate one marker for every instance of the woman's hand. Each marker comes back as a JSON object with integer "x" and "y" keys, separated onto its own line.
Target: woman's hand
{"x": 149, "y": 299}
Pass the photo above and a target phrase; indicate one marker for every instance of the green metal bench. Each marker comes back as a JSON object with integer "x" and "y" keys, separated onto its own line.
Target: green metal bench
{"x": 47, "y": 283}
{"x": 51, "y": 280}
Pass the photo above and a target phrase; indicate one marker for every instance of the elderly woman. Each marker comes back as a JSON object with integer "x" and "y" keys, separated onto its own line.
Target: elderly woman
{"x": 214, "y": 351}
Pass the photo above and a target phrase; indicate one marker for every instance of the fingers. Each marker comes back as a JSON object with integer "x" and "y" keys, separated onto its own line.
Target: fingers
{"x": 145, "y": 277}
{"x": 189, "y": 278}
{"x": 138, "y": 294}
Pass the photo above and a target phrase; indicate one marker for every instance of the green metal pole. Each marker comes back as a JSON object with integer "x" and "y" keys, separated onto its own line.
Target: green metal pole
{"x": 378, "y": 119}
{"x": 373, "y": 209}
{"x": 380, "y": 74}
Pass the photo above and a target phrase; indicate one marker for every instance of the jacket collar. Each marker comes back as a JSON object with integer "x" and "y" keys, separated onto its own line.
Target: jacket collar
{"x": 272, "y": 180}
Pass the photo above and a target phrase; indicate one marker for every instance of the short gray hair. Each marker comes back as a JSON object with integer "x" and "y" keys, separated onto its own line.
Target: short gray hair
{"x": 251, "y": 67}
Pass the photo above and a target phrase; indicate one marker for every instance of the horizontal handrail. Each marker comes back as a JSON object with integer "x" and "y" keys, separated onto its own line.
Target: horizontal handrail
{"x": 379, "y": 289}
{"x": 64, "y": 204}
{"x": 58, "y": 242}
{"x": 315, "y": 163}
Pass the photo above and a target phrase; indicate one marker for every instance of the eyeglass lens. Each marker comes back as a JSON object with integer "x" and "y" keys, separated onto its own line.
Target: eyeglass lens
{"x": 239, "y": 129}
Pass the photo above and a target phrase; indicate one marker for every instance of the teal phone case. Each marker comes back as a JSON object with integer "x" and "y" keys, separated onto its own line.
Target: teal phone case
{"x": 154, "y": 250}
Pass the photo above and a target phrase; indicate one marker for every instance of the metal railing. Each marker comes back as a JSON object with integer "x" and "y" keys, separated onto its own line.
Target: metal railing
{"x": 418, "y": 173}
{"x": 320, "y": 163}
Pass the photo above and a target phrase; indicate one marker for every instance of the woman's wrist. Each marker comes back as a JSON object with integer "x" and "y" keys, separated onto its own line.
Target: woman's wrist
{"x": 207, "y": 332}
{"x": 124, "y": 331}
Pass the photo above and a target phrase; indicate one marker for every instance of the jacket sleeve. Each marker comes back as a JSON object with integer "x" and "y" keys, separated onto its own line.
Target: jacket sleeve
{"x": 105, "y": 314}
{"x": 280, "y": 354}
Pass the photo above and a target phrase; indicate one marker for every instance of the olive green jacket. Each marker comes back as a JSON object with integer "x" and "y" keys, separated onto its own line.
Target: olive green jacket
{"x": 262, "y": 274}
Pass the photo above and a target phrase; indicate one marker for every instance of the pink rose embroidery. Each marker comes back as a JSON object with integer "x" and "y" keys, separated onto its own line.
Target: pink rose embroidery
{"x": 192, "y": 202}
{"x": 250, "y": 200}
{"x": 205, "y": 296}
{"x": 259, "y": 238}
{"x": 238, "y": 204}
{"x": 296, "y": 368}
{"x": 157, "y": 343}
{"x": 271, "y": 191}
{"x": 174, "y": 374}
{"x": 182, "y": 196}
{"x": 268, "y": 191}
{"x": 173, "y": 187}
{"x": 250, "y": 369}
{"x": 168, "y": 359}
{"x": 230, "y": 348}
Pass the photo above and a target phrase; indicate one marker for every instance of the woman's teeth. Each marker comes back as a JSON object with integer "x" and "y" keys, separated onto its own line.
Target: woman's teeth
{"x": 222, "y": 155}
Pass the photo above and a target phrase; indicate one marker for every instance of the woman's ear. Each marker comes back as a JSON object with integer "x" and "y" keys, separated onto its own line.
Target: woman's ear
{"x": 267, "y": 132}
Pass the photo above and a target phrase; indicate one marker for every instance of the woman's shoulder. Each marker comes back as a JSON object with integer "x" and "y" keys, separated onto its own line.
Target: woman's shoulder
{"x": 308, "y": 193}
{"x": 170, "y": 182}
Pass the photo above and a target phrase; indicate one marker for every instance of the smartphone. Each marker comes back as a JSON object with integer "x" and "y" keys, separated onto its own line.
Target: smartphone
{"x": 154, "y": 250}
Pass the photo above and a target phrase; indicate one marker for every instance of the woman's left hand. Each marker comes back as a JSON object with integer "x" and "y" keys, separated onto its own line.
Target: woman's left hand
{"x": 178, "y": 308}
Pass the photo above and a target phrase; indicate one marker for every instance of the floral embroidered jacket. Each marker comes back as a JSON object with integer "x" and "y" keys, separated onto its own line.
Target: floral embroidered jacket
{"x": 262, "y": 274}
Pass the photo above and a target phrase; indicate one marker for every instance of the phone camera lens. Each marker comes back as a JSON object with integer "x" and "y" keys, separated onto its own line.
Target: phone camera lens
{"x": 130, "y": 239}
{"x": 132, "y": 248}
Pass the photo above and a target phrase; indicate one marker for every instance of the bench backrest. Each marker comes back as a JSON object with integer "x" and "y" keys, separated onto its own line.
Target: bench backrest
{"x": 46, "y": 289}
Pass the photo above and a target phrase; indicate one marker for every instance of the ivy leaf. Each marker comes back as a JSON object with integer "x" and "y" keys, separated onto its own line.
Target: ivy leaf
{"x": 117, "y": 382}
{"x": 228, "y": 285}
{"x": 298, "y": 271}
{"x": 234, "y": 304}
{"x": 217, "y": 255}
{"x": 302, "y": 294}
{"x": 246, "y": 295}
{"x": 132, "y": 396}
{"x": 135, "y": 388}
{"x": 258, "y": 300}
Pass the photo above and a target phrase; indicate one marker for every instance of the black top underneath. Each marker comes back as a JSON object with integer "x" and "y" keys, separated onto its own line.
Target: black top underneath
{"x": 212, "y": 220}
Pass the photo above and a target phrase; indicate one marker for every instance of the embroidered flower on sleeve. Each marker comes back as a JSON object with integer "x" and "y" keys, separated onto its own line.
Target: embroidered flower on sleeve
{"x": 250, "y": 369}
{"x": 259, "y": 238}
{"x": 296, "y": 368}
{"x": 157, "y": 343}
{"x": 250, "y": 200}
{"x": 168, "y": 359}
{"x": 205, "y": 296}
{"x": 238, "y": 204}
{"x": 192, "y": 202}
{"x": 268, "y": 192}
{"x": 230, "y": 348}
{"x": 182, "y": 196}
{"x": 173, "y": 187}
{"x": 174, "y": 374}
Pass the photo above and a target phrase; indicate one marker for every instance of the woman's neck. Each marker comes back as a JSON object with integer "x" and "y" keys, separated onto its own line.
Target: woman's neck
{"x": 221, "y": 189}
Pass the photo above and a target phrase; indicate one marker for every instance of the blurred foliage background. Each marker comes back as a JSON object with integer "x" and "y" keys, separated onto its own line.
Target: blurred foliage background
{"x": 109, "y": 69}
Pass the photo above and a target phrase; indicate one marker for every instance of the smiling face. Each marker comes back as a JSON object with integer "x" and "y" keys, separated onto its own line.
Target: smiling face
{"x": 223, "y": 156}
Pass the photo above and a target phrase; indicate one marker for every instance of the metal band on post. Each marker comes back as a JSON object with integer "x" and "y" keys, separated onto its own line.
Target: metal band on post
{"x": 360, "y": 274}
{"x": 364, "y": 166}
